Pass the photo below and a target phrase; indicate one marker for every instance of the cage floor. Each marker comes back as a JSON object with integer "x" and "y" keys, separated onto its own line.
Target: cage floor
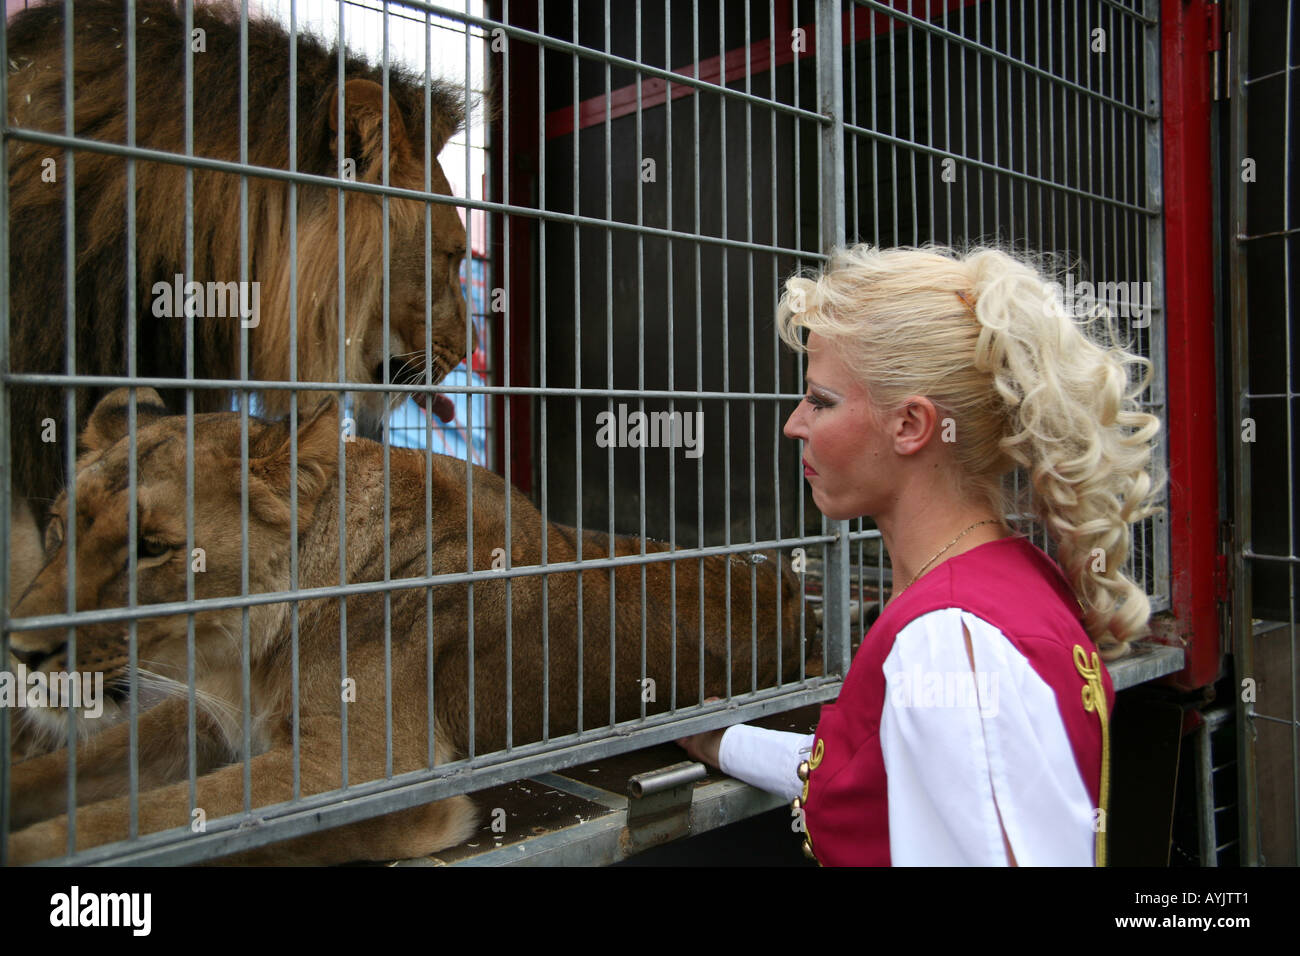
{"x": 579, "y": 816}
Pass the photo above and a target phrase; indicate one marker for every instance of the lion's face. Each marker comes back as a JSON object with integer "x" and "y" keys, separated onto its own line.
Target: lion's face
{"x": 405, "y": 355}
{"x": 423, "y": 244}
{"x": 100, "y": 534}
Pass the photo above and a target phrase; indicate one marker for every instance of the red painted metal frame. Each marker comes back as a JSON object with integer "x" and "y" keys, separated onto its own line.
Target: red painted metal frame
{"x": 1185, "y": 41}
{"x": 724, "y": 70}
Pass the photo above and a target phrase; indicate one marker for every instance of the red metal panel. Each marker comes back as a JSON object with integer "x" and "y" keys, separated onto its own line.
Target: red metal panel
{"x": 1189, "y": 309}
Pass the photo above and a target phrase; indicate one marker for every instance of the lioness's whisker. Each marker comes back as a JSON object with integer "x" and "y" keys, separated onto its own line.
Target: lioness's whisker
{"x": 219, "y": 710}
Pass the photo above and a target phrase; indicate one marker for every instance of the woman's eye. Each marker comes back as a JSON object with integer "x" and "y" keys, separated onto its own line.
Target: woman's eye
{"x": 816, "y": 402}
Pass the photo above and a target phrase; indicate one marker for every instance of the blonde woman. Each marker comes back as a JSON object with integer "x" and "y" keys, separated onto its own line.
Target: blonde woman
{"x": 972, "y": 726}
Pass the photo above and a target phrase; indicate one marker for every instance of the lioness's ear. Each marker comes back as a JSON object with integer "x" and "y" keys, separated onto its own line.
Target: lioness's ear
{"x": 363, "y": 105}
{"x": 107, "y": 425}
{"x": 318, "y": 444}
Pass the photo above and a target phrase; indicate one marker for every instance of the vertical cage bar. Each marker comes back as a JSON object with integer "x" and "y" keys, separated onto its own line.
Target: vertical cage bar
{"x": 699, "y": 330}
{"x": 191, "y": 675}
{"x": 542, "y": 401}
{"x": 341, "y": 126}
{"x": 724, "y": 252}
{"x": 1031, "y": 238}
{"x": 133, "y": 477}
{"x": 947, "y": 123}
{"x": 1290, "y": 433}
{"x": 429, "y": 159}
{"x": 835, "y": 586}
{"x": 1205, "y": 795}
{"x": 911, "y": 131}
{"x": 776, "y": 337}
{"x": 670, "y": 247}
{"x": 895, "y": 236}
{"x": 294, "y": 676}
{"x": 929, "y": 165}
{"x": 69, "y": 395}
{"x": 245, "y": 628}
{"x": 965, "y": 149}
{"x": 577, "y": 366}
{"x": 751, "y": 346}
{"x": 469, "y": 415}
{"x": 1155, "y": 269}
{"x": 387, "y": 351}
{"x": 506, "y": 343}
{"x": 640, "y": 348}
{"x": 6, "y": 474}
{"x": 1243, "y": 638}
{"x": 609, "y": 349}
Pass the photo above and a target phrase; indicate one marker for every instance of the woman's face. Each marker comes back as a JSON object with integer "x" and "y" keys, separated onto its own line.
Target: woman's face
{"x": 847, "y": 457}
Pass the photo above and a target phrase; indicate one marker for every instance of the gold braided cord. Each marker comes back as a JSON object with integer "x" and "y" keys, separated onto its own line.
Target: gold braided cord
{"x": 1094, "y": 698}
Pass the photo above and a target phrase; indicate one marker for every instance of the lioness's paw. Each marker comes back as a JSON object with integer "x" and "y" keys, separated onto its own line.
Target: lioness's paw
{"x": 40, "y": 841}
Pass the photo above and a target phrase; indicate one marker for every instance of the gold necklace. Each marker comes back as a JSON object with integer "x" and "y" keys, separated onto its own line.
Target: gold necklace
{"x": 925, "y": 567}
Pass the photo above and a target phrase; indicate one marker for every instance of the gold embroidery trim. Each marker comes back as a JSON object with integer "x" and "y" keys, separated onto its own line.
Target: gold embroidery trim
{"x": 1094, "y": 699}
{"x": 806, "y": 775}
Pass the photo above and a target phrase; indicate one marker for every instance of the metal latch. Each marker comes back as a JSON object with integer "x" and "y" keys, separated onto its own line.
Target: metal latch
{"x": 659, "y": 805}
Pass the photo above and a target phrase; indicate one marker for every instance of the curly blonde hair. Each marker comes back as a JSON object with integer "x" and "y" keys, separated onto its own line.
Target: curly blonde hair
{"x": 985, "y": 336}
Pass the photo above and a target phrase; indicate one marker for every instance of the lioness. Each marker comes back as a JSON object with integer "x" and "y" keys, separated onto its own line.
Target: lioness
{"x": 39, "y": 784}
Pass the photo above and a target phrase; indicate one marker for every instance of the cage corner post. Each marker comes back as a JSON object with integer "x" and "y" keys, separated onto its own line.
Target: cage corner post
{"x": 1184, "y": 103}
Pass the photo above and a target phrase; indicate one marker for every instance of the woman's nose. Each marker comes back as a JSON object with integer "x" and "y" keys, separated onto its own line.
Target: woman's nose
{"x": 794, "y": 424}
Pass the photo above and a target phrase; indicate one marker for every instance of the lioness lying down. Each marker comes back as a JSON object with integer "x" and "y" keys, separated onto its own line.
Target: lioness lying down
{"x": 39, "y": 784}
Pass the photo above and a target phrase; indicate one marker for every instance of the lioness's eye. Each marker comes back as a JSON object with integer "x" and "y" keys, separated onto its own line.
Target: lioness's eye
{"x": 54, "y": 533}
{"x": 152, "y": 548}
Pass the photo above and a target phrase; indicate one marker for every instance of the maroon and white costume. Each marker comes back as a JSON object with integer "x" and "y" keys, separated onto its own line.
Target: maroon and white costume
{"x": 921, "y": 761}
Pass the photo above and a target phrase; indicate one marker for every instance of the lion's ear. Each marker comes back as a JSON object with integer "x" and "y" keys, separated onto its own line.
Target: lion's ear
{"x": 318, "y": 450}
{"x": 363, "y": 104}
{"x": 108, "y": 422}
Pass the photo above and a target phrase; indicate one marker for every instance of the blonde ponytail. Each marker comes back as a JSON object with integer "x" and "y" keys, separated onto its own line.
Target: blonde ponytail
{"x": 1028, "y": 387}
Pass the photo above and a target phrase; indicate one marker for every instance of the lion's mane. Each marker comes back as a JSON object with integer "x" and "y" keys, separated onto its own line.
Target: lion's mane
{"x": 102, "y": 347}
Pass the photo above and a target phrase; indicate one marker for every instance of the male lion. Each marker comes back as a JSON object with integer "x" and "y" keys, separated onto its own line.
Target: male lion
{"x": 39, "y": 784}
{"x": 37, "y": 188}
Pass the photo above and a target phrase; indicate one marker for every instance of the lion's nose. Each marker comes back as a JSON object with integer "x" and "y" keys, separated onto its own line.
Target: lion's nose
{"x": 33, "y": 658}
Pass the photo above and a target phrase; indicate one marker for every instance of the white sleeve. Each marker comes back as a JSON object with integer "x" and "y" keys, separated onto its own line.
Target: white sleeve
{"x": 767, "y": 759}
{"x": 959, "y": 749}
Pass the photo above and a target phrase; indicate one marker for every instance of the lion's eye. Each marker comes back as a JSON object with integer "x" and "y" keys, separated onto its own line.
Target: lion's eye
{"x": 151, "y": 548}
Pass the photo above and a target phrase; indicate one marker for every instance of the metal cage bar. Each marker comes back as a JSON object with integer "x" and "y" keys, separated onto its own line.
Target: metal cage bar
{"x": 863, "y": 145}
{"x": 1261, "y": 428}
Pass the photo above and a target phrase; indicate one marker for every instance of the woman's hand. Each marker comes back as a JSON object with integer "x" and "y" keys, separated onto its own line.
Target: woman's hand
{"x": 704, "y": 747}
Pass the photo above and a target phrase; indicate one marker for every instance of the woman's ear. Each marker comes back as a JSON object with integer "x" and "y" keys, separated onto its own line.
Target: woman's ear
{"x": 916, "y": 423}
